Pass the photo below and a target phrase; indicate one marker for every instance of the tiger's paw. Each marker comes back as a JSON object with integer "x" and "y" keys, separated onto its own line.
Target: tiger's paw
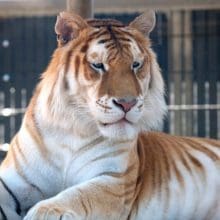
{"x": 44, "y": 211}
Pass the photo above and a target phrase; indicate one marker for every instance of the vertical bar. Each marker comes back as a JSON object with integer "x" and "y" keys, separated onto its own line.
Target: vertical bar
{"x": 163, "y": 40}
{"x": 200, "y": 63}
{"x": 175, "y": 64}
{"x": 6, "y": 84}
{"x": 187, "y": 69}
{"x": 1, "y": 82}
{"x": 213, "y": 62}
{"x": 218, "y": 113}
{"x": 159, "y": 38}
{"x": 50, "y": 38}
{"x": 40, "y": 46}
{"x": 83, "y": 8}
{"x": 2, "y": 127}
{"x": 18, "y": 88}
{"x": 17, "y": 47}
{"x": 30, "y": 53}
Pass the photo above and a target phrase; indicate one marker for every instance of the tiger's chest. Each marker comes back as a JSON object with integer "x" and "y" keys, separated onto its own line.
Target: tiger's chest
{"x": 78, "y": 161}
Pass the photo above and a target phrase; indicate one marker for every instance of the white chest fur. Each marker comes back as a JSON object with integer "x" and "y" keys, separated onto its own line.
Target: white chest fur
{"x": 76, "y": 160}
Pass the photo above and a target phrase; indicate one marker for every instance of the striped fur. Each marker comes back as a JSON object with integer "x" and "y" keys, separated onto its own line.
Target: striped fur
{"x": 85, "y": 149}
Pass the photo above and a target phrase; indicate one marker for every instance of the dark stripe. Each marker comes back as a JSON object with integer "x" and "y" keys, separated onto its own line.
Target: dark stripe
{"x": 85, "y": 72}
{"x": 113, "y": 36}
{"x": 104, "y": 88}
{"x": 136, "y": 84}
{"x": 84, "y": 48}
{"x": 140, "y": 47}
{"x": 17, "y": 143}
{"x": 3, "y": 214}
{"x": 200, "y": 147}
{"x": 66, "y": 68}
{"x": 124, "y": 39}
{"x": 110, "y": 45}
{"x": 77, "y": 64}
{"x": 65, "y": 83}
{"x": 17, "y": 204}
{"x": 67, "y": 63}
{"x": 97, "y": 34}
{"x": 89, "y": 75}
{"x": 195, "y": 162}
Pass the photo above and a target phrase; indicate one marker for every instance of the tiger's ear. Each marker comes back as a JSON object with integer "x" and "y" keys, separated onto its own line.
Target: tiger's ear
{"x": 68, "y": 27}
{"x": 145, "y": 23}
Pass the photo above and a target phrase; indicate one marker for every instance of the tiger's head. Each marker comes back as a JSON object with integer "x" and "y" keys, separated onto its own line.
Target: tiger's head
{"x": 111, "y": 74}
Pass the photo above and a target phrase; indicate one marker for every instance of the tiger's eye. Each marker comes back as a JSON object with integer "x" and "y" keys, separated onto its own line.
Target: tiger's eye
{"x": 136, "y": 65}
{"x": 98, "y": 66}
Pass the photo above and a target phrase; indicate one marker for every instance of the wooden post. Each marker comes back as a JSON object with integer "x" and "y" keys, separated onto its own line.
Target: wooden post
{"x": 84, "y": 8}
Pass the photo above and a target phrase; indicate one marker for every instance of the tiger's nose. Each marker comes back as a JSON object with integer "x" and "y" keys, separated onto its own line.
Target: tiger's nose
{"x": 125, "y": 103}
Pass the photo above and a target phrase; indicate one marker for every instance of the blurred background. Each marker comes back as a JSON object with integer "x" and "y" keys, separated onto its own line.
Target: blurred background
{"x": 186, "y": 40}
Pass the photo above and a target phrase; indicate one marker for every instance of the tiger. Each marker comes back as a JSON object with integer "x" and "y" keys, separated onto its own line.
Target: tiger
{"x": 90, "y": 145}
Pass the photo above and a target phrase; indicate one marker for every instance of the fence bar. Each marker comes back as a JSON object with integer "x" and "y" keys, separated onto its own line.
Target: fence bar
{"x": 194, "y": 107}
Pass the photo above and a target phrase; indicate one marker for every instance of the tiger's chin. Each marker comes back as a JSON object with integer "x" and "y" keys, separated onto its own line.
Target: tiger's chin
{"x": 120, "y": 130}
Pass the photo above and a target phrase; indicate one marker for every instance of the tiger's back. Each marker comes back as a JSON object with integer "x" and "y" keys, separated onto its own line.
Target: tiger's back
{"x": 179, "y": 178}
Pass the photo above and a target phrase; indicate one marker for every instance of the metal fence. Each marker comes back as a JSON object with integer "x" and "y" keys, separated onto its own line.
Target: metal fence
{"x": 188, "y": 47}
{"x": 194, "y": 73}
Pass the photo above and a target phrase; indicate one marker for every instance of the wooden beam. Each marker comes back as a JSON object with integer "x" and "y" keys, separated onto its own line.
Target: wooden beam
{"x": 84, "y": 8}
{"x": 117, "y": 6}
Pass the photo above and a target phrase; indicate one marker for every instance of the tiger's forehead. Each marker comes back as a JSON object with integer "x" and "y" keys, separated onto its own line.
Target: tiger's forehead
{"x": 113, "y": 43}
{"x": 97, "y": 52}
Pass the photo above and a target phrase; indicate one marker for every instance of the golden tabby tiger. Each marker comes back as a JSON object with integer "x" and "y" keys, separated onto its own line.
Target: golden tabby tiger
{"x": 85, "y": 150}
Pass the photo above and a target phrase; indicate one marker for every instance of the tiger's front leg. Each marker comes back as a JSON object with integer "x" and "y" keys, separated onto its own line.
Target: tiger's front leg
{"x": 9, "y": 207}
{"x": 8, "y": 213}
{"x": 100, "y": 198}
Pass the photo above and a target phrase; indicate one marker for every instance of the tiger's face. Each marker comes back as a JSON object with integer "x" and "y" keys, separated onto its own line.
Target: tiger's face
{"x": 111, "y": 67}
{"x": 122, "y": 73}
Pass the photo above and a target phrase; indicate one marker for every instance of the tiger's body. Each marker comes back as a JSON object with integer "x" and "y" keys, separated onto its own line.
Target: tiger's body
{"x": 85, "y": 150}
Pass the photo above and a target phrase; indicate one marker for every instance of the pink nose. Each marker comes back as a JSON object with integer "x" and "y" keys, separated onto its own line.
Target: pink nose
{"x": 125, "y": 103}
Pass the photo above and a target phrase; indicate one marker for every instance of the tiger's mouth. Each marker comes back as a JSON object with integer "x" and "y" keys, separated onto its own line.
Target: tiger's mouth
{"x": 118, "y": 128}
{"x": 123, "y": 121}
